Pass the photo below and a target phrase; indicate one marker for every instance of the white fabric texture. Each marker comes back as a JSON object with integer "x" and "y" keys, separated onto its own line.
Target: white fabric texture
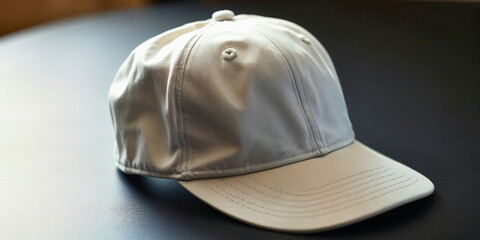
{"x": 181, "y": 110}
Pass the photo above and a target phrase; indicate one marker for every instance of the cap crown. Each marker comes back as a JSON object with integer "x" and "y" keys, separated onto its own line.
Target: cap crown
{"x": 226, "y": 97}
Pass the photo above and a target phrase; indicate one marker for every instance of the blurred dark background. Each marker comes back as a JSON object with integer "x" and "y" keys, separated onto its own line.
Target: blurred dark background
{"x": 18, "y": 14}
{"x": 409, "y": 72}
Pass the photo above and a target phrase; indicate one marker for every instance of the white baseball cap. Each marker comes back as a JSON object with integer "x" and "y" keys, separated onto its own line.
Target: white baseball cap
{"x": 247, "y": 113}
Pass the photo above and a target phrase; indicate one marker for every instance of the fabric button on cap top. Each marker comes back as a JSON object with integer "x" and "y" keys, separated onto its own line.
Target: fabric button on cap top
{"x": 223, "y": 15}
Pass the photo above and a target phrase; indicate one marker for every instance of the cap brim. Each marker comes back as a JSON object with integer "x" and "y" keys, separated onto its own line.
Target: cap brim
{"x": 343, "y": 187}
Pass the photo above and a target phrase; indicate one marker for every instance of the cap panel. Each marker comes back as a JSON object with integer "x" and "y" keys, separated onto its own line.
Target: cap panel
{"x": 318, "y": 81}
{"x": 242, "y": 115}
{"x": 143, "y": 107}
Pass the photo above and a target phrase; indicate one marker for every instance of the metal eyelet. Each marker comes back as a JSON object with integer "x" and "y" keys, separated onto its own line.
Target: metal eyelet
{"x": 229, "y": 54}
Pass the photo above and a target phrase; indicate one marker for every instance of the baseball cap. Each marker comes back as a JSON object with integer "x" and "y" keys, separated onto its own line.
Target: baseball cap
{"x": 248, "y": 114}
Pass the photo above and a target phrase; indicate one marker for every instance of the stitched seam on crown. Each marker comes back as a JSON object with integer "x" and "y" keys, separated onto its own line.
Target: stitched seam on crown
{"x": 178, "y": 101}
{"x": 179, "y": 88}
{"x": 325, "y": 185}
{"x": 322, "y": 139}
{"x": 313, "y": 215}
{"x": 311, "y": 133}
{"x": 324, "y": 202}
{"x": 268, "y": 164}
{"x": 233, "y": 171}
{"x": 132, "y": 170}
{"x": 310, "y": 200}
{"x": 229, "y": 172}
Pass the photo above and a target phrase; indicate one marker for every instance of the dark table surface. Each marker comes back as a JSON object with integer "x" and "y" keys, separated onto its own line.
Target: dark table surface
{"x": 410, "y": 73}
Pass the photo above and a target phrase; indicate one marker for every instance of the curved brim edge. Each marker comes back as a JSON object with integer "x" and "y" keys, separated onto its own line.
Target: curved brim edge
{"x": 323, "y": 193}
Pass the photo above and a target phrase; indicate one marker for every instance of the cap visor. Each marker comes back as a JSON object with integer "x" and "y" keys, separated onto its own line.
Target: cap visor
{"x": 343, "y": 187}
